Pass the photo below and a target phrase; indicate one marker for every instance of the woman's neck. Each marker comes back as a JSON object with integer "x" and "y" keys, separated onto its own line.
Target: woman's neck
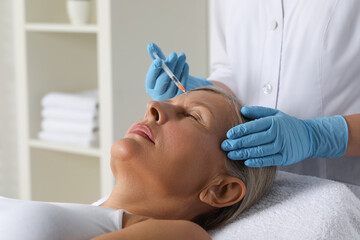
{"x": 161, "y": 208}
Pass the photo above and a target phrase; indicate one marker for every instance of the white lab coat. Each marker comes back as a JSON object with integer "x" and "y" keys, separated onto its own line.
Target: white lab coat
{"x": 299, "y": 56}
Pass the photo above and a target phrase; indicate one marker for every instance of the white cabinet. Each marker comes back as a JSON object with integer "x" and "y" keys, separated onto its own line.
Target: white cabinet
{"x": 109, "y": 54}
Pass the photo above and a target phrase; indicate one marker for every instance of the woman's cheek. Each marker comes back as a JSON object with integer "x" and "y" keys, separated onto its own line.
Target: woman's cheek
{"x": 182, "y": 138}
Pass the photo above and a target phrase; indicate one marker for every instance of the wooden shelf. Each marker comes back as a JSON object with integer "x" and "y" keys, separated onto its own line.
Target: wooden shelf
{"x": 56, "y": 27}
{"x": 92, "y": 152}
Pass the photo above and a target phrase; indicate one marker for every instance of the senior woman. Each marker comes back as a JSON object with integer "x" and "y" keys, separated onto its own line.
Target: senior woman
{"x": 172, "y": 179}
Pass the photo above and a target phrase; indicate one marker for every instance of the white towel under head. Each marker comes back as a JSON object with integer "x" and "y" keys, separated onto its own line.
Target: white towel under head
{"x": 80, "y": 101}
{"x": 298, "y": 207}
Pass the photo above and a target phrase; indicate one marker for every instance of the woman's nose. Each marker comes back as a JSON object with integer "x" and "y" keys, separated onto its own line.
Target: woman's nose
{"x": 157, "y": 111}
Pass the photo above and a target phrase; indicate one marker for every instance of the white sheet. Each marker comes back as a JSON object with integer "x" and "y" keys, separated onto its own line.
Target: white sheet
{"x": 299, "y": 207}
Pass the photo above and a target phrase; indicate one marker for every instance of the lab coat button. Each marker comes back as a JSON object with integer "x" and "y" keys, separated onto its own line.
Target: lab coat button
{"x": 273, "y": 25}
{"x": 267, "y": 88}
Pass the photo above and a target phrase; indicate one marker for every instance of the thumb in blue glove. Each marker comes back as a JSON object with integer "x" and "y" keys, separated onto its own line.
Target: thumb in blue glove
{"x": 276, "y": 138}
{"x": 157, "y": 83}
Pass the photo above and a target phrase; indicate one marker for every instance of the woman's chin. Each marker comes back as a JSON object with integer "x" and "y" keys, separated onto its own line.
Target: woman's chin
{"x": 124, "y": 149}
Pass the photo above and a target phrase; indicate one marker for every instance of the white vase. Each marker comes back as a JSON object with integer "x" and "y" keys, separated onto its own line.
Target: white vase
{"x": 78, "y": 11}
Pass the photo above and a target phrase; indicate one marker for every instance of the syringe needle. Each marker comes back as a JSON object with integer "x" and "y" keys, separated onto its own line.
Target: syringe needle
{"x": 170, "y": 73}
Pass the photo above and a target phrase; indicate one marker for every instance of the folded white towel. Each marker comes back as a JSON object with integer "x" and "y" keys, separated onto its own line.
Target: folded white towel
{"x": 69, "y": 114}
{"x": 298, "y": 207}
{"x": 80, "y": 101}
{"x": 84, "y": 140}
{"x": 61, "y": 126}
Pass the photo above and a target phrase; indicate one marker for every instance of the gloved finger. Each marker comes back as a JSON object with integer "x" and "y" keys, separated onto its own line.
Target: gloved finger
{"x": 179, "y": 69}
{"x": 184, "y": 77}
{"x": 273, "y": 160}
{"x": 253, "y": 152}
{"x": 172, "y": 90}
{"x": 247, "y": 141}
{"x": 181, "y": 72}
{"x": 171, "y": 61}
{"x": 247, "y": 128}
{"x": 180, "y": 65}
{"x": 152, "y": 47}
{"x": 255, "y": 112}
{"x": 163, "y": 82}
{"x": 153, "y": 74}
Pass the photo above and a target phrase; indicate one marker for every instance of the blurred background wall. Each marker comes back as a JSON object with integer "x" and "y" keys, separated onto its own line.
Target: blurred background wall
{"x": 8, "y": 154}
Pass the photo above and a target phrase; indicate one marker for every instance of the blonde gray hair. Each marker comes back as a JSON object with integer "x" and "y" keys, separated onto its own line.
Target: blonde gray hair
{"x": 257, "y": 180}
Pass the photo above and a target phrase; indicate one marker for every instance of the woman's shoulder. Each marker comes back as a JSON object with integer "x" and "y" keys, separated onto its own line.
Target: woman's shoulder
{"x": 138, "y": 227}
{"x": 178, "y": 229}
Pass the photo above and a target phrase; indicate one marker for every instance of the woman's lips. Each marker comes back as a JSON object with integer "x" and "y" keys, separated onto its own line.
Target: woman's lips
{"x": 144, "y": 131}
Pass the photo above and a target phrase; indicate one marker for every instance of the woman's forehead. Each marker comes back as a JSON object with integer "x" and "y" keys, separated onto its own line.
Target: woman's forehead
{"x": 209, "y": 99}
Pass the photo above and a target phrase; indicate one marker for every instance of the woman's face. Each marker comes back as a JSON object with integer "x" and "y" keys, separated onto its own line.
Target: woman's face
{"x": 174, "y": 151}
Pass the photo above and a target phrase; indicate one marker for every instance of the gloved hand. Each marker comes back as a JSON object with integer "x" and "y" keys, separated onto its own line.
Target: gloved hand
{"x": 158, "y": 84}
{"x": 276, "y": 138}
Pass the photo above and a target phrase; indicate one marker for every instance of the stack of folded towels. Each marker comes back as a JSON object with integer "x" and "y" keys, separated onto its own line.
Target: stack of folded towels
{"x": 70, "y": 118}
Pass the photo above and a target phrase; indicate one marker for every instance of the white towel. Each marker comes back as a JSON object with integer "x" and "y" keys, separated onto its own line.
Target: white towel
{"x": 84, "y": 140}
{"x": 298, "y": 207}
{"x": 80, "y": 101}
{"x": 61, "y": 126}
{"x": 69, "y": 114}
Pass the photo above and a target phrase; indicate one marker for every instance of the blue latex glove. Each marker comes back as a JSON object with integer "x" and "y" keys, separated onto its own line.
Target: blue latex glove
{"x": 276, "y": 138}
{"x": 158, "y": 84}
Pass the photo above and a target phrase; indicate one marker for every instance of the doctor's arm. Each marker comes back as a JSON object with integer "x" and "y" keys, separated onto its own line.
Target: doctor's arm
{"x": 353, "y": 147}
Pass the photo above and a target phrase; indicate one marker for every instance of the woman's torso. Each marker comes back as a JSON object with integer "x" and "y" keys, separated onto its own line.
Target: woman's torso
{"x": 42, "y": 220}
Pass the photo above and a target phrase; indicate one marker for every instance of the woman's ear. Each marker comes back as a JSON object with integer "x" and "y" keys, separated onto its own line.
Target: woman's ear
{"x": 225, "y": 192}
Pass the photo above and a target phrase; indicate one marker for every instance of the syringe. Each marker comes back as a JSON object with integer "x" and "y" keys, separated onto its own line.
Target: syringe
{"x": 169, "y": 73}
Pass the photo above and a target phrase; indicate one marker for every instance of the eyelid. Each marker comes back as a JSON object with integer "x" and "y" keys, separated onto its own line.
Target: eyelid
{"x": 192, "y": 116}
{"x": 196, "y": 115}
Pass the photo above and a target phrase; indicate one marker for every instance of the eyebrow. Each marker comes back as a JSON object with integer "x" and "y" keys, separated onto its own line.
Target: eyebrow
{"x": 203, "y": 105}
{"x": 195, "y": 104}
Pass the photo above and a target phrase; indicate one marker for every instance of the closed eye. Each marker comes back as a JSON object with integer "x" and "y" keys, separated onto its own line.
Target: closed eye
{"x": 190, "y": 115}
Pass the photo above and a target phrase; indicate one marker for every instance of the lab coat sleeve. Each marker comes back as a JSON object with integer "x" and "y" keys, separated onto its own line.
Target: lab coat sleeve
{"x": 220, "y": 67}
